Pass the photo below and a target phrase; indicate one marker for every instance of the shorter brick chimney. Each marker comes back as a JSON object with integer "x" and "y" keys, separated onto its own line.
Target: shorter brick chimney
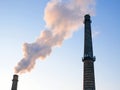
{"x": 14, "y": 82}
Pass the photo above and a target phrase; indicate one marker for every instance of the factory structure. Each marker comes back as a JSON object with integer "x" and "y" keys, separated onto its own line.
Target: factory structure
{"x": 88, "y": 59}
{"x": 14, "y": 82}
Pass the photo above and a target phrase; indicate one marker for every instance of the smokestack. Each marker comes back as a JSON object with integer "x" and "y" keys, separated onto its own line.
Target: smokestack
{"x": 14, "y": 82}
{"x": 88, "y": 59}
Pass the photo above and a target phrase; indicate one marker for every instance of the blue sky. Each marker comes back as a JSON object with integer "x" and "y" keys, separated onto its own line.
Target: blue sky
{"x": 22, "y": 21}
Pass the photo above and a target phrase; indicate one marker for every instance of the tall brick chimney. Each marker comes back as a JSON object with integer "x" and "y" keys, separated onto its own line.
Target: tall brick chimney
{"x": 88, "y": 58}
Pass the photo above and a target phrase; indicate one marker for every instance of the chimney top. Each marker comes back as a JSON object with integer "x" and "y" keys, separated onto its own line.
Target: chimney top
{"x": 87, "y": 16}
{"x": 15, "y": 77}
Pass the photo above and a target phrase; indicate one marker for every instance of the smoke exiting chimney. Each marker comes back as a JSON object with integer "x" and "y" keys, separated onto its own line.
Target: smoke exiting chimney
{"x": 62, "y": 18}
{"x": 14, "y": 82}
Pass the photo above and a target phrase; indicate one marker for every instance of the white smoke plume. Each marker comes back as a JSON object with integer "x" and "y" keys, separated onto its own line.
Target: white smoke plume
{"x": 62, "y": 18}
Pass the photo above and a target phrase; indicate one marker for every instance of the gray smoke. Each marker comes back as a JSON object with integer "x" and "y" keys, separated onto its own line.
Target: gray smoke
{"x": 62, "y": 18}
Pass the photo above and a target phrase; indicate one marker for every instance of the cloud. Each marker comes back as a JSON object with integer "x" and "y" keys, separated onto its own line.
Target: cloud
{"x": 95, "y": 33}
